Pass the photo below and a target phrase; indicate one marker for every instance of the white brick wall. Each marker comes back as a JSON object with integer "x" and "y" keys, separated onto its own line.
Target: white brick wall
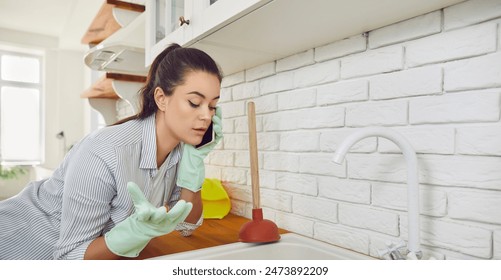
{"x": 295, "y": 61}
{"x": 497, "y": 244}
{"x": 411, "y": 29}
{"x": 468, "y": 171}
{"x": 321, "y": 164}
{"x": 281, "y": 162}
{"x": 277, "y": 200}
{"x": 376, "y": 61}
{"x": 455, "y": 236}
{"x": 424, "y": 139}
{"x": 343, "y": 92}
{"x": 481, "y": 206}
{"x": 471, "y": 12}
{"x": 279, "y": 82}
{"x": 342, "y": 236}
{"x": 435, "y": 78}
{"x": 260, "y": 71}
{"x": 377, "y": 113}
{"x": 309, "y": 141}
{"x": 412, "y": 82}
{"x": 295, "y": 99}
{"x": 478, "y": 106}
{"x": 367, "y": 218}
{"x": 313, "y": 207}
{"x": 320, "y": 73}
{"x": 394, "y": 196}
{"x": 329, "y": 140}
{"x": 482, "y": 140}
{"x": 341, "y": 48}
{"x": 295, "y": 223}
{"x": 297, "y": 183}
{"x": 344, "y": 190}
{"x": 462, "y": 74}
{"x": 452, "y": 45}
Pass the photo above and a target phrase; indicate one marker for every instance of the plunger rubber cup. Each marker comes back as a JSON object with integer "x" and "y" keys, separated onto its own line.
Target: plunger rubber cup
{"x": 259, "y": 230}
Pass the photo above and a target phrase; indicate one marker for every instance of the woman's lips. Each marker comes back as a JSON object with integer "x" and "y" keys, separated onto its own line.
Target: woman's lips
{"x": 200, "y": 131}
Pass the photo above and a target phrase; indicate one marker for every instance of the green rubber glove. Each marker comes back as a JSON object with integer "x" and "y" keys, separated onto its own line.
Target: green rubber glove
{"x": 191, "y": 173}
{"x": 129, "y": 237}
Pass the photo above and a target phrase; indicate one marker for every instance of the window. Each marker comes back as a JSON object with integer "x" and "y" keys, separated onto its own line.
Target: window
{"x": 21, "y": 112}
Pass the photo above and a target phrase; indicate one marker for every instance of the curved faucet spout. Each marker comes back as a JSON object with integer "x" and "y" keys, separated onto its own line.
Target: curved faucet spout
{"x": 412, "y": 174}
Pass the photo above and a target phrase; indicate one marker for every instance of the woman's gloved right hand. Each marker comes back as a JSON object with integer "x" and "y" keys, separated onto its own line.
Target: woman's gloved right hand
{"x": 191, "y": 170}
{"x": 129, "y": 237}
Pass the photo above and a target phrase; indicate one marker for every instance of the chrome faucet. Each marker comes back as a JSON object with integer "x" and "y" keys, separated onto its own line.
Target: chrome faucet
{"x": 412, "y": 176}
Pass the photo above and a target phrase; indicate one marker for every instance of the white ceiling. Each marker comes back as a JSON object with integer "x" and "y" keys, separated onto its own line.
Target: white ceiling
{"x": 65, "y": 19}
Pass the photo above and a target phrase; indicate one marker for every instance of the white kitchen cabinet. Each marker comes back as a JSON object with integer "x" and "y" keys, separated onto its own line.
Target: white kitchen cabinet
{"x": 163, "y": 25}
{"x": 246, "y": 33}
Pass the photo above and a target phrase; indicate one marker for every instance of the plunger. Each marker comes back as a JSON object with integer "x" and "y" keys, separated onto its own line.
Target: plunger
{"x": 258, "y": 230}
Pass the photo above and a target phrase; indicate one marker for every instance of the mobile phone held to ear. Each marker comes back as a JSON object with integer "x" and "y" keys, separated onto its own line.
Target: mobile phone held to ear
{"x": 208, "y": 137}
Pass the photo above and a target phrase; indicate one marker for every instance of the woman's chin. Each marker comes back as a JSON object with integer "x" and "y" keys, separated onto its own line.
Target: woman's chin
{"x": 193, "y": 141}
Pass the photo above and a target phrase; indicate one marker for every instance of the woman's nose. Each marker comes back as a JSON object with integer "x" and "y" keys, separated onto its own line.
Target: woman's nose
{"x": 206, "y": 114}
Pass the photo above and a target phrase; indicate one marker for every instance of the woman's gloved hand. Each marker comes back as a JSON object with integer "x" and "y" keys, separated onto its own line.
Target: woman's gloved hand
{"x": 191, "y": 172}
{"x": 129, "y": 237}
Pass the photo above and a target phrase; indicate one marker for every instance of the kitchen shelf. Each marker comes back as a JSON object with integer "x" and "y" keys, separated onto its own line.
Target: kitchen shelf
{"x": 103, "y": 94}
{"x": 126, "y": 77}
{"x": 101, "y": 89}
{"x": 127, "y": 5}
{"x": 106, "y": 107}
{"x": 111, "y": 87}
{"x": 112, "y": 16}
{"x": 127, "y": 87}
{"x": 104, "y": 87}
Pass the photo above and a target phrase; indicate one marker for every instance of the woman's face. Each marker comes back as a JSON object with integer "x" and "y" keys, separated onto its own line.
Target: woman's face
{"x": 189, "y": 110}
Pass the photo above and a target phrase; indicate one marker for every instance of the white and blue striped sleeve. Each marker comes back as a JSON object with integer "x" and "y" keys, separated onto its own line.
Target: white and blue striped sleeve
{"x": 89, "y": 187}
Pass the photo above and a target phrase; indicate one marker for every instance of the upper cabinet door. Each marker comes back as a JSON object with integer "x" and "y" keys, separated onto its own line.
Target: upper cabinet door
{"x": 163, "y": 25}
{"x": 186, "y": 21}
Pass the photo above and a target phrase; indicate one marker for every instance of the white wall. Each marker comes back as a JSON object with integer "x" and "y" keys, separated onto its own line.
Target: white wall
{"x": 435, "y": 78}
{"x": 64, "y": 107}
{"x": 67, "y": 78}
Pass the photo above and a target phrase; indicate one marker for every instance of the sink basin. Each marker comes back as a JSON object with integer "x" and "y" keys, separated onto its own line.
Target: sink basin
{"x": 291, "y": 246}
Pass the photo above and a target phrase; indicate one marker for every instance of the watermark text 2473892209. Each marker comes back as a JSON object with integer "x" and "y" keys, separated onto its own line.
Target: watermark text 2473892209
{"x": 268, "y": 271}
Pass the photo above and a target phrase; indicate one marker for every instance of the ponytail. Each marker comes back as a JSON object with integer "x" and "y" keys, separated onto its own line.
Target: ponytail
{"x": 148, "y": 105}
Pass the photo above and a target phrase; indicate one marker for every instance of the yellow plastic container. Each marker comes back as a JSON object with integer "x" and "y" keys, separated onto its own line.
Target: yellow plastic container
{"x": 215, "y": 200}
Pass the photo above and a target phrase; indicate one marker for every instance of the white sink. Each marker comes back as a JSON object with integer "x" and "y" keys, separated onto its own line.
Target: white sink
{"x": 291, "y": 246}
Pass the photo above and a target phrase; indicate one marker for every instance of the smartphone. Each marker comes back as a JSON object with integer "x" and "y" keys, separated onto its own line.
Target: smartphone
{"x": 208, "y": 137}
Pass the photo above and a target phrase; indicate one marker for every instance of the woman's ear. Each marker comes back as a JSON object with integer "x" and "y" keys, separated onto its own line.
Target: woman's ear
{"x": 160, "y": 99}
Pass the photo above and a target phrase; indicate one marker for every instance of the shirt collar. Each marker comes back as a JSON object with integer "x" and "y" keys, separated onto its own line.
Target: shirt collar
{"x": 149, "y": 146}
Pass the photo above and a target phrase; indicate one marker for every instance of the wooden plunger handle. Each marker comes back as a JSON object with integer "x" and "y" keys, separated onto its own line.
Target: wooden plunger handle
{"x": 251, "y": 112}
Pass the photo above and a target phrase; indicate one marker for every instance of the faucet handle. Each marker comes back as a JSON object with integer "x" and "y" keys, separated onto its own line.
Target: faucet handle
{"x": 387, "y": 250}
{"x": 383, "y": 252}
{"x": 391, "y": 247}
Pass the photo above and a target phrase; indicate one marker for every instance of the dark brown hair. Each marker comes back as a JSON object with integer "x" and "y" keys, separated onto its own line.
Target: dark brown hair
{"x": 168, "y": 71}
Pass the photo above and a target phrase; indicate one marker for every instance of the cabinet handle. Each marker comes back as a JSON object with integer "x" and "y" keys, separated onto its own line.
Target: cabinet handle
{"x": 182, "y": 21}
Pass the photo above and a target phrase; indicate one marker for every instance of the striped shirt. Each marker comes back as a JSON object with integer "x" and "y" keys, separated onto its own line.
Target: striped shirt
{"x": 57, "y": 218}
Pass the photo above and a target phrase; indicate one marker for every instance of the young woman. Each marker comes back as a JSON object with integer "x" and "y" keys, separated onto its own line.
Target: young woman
{"x": 106, "y": 199}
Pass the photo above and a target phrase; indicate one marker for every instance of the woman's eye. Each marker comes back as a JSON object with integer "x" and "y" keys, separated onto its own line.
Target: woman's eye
{"x": 193, "y": 104}
{"x": 212, "y": 108}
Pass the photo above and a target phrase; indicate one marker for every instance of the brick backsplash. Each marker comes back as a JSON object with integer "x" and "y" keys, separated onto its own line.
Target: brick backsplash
{"x": 435, "y": 78}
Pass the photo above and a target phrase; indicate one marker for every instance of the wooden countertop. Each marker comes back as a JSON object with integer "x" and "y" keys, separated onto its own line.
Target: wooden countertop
{"x": 213, "y": 232}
